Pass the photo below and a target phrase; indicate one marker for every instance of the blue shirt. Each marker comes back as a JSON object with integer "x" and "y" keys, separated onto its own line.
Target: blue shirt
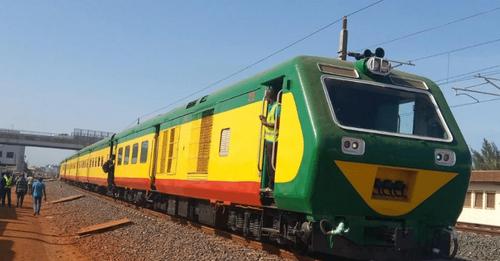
{"x": 38, "y": 188}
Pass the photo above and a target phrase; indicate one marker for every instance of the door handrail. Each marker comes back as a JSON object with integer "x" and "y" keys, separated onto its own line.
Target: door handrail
{"x": 259, "y": 157}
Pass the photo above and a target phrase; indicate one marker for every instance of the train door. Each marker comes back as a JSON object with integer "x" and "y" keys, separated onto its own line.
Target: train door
{"x": 269, "y": 145}
{"x": 154, "y": 159}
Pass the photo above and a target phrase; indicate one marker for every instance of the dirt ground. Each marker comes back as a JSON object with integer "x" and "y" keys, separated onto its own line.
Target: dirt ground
{"x": 27, "y": 237}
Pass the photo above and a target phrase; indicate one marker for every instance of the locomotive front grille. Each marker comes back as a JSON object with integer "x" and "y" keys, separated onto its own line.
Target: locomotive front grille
{"x": 393, "y": 184}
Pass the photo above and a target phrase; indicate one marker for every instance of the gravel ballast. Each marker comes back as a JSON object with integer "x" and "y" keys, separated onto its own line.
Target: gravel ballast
{"x": 474, "y": 246}
{"x": 148, "y": 238}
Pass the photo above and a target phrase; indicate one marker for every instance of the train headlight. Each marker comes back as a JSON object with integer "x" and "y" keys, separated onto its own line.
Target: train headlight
{"x": 379, "y": 66}
{"x": 444, "y": 157}
{"x": 353, "y": 146}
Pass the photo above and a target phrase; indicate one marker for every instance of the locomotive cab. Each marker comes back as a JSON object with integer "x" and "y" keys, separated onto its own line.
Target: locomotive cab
{"x": 391, "y": 162}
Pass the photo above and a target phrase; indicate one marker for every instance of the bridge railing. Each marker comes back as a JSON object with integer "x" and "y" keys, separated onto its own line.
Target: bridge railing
{"x": 91, "y": 133}
{"x": 40, "y": 133}
{"x": 77, "y": 133}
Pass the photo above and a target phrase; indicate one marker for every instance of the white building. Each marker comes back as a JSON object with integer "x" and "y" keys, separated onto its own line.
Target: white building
{"x": 482, "y": 202}
{"x": 12, "y": 157}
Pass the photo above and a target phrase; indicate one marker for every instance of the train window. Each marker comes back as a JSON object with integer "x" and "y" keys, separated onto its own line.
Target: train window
{"x": 225, "y": 136}
{"x": 490, "y": 200}
{"x": 120, "y": 155}
{"x": 135, "y": 151}
{"x": 385, "y": 109}
{"x": 10, "y": 155}
{"x": 467, "y": 201}
{"x": 478, "y": 199}
{"x": 144, "y": 151}
{"x": 127, "y": 155}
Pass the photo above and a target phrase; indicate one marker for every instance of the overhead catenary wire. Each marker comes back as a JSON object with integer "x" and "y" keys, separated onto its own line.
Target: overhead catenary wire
{"x": 258, "y": 61}
{"x": 469, "y": 77}
{"x": 473, "y": 103}
{"x": 466, "y": 74}
{"x": 455, "y": 50}
{"x": 432, "y": 28}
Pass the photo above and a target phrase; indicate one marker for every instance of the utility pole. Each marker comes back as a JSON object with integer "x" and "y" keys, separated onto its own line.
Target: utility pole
{"x": 343, "y": 40}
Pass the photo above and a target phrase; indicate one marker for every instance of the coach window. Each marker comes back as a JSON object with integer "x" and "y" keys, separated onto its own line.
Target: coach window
{"x": 127, "y": 155}
{"x": 225, "y": 136}
{"x": 135, "y": 151}
{"x": 478, "y": 199}
{"x": 10, "y": 155}
{"x": 144, "y": 151}
{"x": 490, "y": 200}
{"x": 468, "y": 198}
{"x": 120, "y": 154}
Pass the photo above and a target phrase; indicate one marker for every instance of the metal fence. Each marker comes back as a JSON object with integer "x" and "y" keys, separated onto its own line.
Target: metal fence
{"x": 91, "y": 133}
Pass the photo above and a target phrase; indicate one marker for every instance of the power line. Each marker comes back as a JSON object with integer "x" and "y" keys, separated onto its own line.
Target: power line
{"x": 432, "y": 28}
{"x": 455, "y": 50}
{"x": 467, "y": 74}
{"x": 472, "y": 103}
{"x": 322, "y": 28}
{"x": 470, "y": 77}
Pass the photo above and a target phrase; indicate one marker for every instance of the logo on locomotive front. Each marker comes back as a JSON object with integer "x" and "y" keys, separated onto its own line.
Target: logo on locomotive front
{"x": 389, "y": 189}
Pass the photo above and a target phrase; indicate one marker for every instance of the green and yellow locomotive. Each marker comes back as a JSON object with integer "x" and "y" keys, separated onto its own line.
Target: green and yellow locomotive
{"x": 367, "y": 162}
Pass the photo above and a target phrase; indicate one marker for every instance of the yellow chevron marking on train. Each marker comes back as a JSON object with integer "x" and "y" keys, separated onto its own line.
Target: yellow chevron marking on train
{"x": 421, "y": 184}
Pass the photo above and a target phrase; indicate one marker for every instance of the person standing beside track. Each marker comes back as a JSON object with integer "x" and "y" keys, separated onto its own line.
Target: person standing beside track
{"x": 38, "y": 191}
{"x": 2, "y": 187}
{"x": 21, "y": 189}
{"x": 30, "y": 183}
{"x": 7, "y": 178}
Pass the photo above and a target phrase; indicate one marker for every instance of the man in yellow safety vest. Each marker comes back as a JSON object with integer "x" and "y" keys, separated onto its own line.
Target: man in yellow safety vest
{"x": 6, "y": 190}
{"x": 271, "y": 131}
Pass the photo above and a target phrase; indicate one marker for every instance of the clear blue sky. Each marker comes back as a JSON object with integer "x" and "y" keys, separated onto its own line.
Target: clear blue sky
{"x": 100, "y": 64}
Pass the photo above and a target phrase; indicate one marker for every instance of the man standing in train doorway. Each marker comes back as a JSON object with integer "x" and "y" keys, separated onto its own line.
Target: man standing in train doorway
{"x": 271, "y": 127}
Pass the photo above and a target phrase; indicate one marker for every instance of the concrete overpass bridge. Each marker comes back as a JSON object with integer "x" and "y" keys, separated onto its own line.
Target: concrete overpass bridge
{"x": 77, "y": 140}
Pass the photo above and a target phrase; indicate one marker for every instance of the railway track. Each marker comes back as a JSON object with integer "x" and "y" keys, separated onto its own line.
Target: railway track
{"x": 269, "y": 248}
{"x": 478, "y": 228}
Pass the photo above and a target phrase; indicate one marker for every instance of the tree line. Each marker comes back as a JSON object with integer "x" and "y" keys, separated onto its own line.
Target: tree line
{"x": 488, "y": 158}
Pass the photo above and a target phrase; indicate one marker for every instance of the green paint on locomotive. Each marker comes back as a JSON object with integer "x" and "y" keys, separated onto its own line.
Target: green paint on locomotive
{"x": 320, "y": 189}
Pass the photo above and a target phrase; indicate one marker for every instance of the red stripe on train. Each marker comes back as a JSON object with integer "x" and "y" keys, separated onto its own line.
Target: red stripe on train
{"x": 246, "y": 193}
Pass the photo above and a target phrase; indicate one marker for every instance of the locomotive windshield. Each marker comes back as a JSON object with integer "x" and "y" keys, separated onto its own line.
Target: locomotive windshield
{"x": 386, "y": 109}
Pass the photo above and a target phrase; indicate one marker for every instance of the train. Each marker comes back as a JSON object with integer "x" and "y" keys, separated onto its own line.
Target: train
{"x": 369, "y": 162}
